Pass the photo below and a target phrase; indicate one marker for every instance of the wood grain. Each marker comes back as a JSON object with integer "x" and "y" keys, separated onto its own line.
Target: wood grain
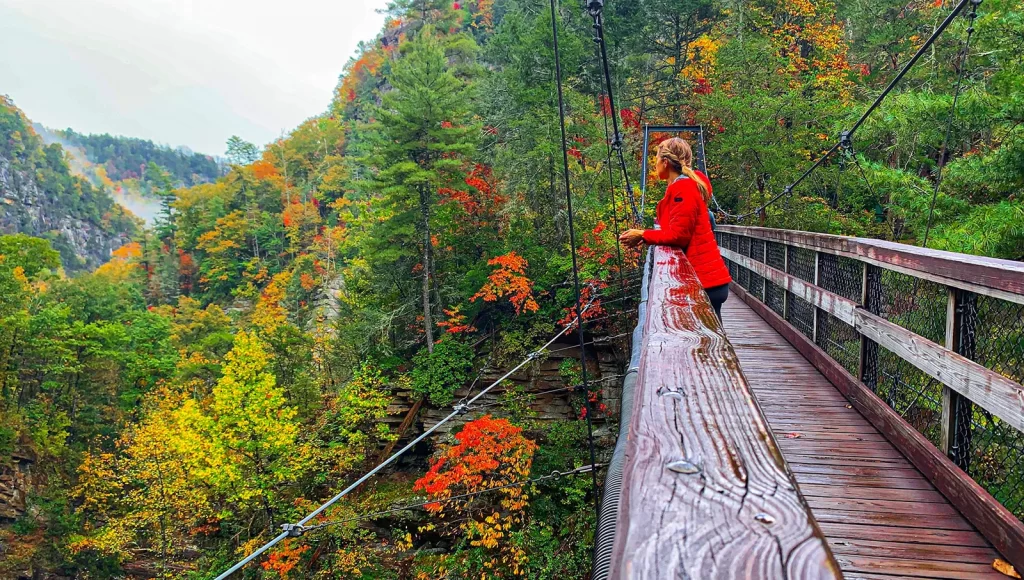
{"x": 712, "y": 523}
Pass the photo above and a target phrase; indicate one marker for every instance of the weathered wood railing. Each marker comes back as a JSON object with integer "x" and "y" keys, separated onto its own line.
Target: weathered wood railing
{"x": 705, "y": 490}
{"x": 927, "y": 345}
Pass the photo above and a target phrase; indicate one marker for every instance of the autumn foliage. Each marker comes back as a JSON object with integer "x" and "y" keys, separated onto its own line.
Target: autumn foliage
{"x": 489, "y": 453}
{"x": 509, "y": 280}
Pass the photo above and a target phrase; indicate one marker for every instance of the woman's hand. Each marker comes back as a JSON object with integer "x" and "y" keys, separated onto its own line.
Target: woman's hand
{"x": 631, "y": 238}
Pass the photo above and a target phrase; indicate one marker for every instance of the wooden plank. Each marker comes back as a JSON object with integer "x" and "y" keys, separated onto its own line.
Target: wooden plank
{"x": 849, "y": 484}
{"x": 853, "y": 470}
{"x": 893, "y": 520}
{"x": 924, "y": 510}
{"x": 918, "y": 568}
{"x": 863, "y": 531}
{"x": 841, "y": 308}
{"x": 991, "y": 276}
{"x": 904, "y": 550}
{"x": 995, "y": 522}
{"x": 856, "y": 492}
{"x": 999, "y": 395}
{"x": 730, "y": 508}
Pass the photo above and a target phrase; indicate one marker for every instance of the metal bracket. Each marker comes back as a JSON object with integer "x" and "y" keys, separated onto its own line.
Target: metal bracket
{"x": 293, "y": 530}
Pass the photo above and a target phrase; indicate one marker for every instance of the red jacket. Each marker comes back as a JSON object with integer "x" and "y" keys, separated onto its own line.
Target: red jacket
{"x": 683, "y": 217}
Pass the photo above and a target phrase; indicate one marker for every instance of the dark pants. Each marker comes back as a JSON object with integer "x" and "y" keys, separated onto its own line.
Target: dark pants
{"x": 717, "y": 296}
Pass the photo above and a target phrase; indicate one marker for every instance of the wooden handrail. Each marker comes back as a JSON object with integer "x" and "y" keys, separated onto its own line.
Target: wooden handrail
{"x": 698, "y": 443}
{"x": 997, "y": 394}
{"x": 989, "y": 276}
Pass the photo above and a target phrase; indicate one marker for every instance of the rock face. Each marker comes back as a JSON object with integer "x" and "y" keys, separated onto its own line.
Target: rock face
{"x": 26, "y": 208}
{"x": 39, "y": 196}
{"x": 16, "y": 479}
{"x": 605, "y": 365}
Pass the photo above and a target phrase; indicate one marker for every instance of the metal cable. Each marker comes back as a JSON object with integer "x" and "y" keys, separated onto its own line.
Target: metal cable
{"x": 595, "y": 10}
{"x": 871, "y": 109}
{"x": 572, "y": 247}
{"x": 952, "y": 117}
{"x": 290, "y": 529}
{"x": 552, "y": 475}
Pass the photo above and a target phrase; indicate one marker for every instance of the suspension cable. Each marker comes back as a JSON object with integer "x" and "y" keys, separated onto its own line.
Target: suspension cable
{"x": 952, "y": 117}
{"x": 611, "y": 188}
{"x": 788, "y": 190}
{"x": 595, "y": 8}
{"x": 572, "y": 247}
{"x": 372, "y": 515}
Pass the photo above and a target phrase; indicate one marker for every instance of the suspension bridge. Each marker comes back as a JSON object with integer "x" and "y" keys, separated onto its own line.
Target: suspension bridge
{"x": 859, "y": 414}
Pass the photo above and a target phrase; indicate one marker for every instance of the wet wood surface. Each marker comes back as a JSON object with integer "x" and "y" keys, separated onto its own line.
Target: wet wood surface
{"x": 706, "y": 492}
{"x": 882, "y": 517}
{"x": 1001, "y": 396}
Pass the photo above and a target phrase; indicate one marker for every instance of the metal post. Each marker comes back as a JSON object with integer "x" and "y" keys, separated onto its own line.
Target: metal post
{"x": 817, "y": 282}
{"x": 871, "y": 299}
{"x": 957, "y": 410}
{"x": 785, "y": 293}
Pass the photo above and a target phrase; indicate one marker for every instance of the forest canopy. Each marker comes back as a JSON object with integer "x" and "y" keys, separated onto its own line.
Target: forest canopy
{"x": 258, "y": 348}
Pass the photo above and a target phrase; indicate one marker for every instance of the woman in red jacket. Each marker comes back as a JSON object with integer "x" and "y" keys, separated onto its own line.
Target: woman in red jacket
{"x": 685, "y": 221}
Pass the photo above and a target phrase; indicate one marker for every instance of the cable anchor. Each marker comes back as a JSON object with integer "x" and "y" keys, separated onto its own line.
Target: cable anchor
{"x": 294, "y": 530}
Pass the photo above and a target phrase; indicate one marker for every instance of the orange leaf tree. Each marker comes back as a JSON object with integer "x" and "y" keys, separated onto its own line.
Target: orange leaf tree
{"x": 488, "y": 453}
{"x": 509, "y": 279}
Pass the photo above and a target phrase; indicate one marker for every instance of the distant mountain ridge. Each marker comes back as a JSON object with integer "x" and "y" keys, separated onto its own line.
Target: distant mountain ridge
{"x": 40, "y": 196}
{"x": 125, "y": 166}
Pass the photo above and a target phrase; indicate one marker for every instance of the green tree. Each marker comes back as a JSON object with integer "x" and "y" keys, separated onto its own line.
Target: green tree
{"x": 419, "y": 141}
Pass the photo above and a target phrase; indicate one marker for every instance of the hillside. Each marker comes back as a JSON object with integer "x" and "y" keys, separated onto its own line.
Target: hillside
{"x": 39, "y": 196}
{"x": 284, "y": 325}
{"x": 135, "y": 172}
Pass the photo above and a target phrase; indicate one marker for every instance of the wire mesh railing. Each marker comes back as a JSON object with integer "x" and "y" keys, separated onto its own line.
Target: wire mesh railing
{"x": 838, "y": 294}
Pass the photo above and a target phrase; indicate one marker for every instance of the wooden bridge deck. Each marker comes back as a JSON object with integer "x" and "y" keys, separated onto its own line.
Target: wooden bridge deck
{"x": 882, "y": 518}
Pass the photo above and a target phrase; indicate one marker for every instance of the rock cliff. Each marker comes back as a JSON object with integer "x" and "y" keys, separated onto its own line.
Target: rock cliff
{"x": 40, "y": 197}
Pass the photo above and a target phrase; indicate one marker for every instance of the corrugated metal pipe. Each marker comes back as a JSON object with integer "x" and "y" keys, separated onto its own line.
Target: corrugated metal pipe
{"x": 606, "y": 523}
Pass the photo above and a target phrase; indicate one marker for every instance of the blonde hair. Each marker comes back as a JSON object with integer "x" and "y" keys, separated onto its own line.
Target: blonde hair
{"x": 680, "y": 156}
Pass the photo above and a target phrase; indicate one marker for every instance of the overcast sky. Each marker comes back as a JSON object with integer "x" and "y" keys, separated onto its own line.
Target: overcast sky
{"x": 179, "y": 72}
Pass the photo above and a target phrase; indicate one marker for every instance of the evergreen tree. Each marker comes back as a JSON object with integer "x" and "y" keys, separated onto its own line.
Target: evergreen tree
{"x": 420, "y": 138}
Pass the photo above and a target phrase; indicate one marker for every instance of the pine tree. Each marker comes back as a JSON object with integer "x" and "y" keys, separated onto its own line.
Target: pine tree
{"x": 421, "y": 137}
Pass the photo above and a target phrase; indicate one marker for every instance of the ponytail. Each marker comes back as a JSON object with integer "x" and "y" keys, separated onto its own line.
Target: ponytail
{"x": 678, "y": 152}
{"x": 703, "y": 187}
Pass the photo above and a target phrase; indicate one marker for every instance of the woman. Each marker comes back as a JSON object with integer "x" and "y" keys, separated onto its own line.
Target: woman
{"x": 685, "y": 221}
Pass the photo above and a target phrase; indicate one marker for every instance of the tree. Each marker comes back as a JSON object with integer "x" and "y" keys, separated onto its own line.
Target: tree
{"x": 241, "y": 152}
{"x": 489, "y": 453}
{"x": 32, "y": 255}
{"x": 421, "y": 133}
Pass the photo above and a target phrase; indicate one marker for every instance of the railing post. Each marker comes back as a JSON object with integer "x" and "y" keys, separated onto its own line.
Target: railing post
{"x": 961, "y": 323}
{"x": 785, "y": 293}
{"x": 814, "y": 312}
{"x": 764, "y": 281}
{"x": 871, "y": 299}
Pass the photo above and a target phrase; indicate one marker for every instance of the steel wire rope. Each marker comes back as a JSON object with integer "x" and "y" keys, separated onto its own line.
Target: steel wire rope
{"x": 611, "y": 188}
{"x": 952, "y": 117}
{"x": 527, "y": 396}
{"x": 788, "y": 190}
{"x": 572, "y": 248}
{"x": 296, "y": 529}
{"x": 595, "y": 8}
{"x": 553, "y": 475}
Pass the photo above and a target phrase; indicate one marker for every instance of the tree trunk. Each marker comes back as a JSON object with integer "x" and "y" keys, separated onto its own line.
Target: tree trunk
{"x": 428, "y": 325}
